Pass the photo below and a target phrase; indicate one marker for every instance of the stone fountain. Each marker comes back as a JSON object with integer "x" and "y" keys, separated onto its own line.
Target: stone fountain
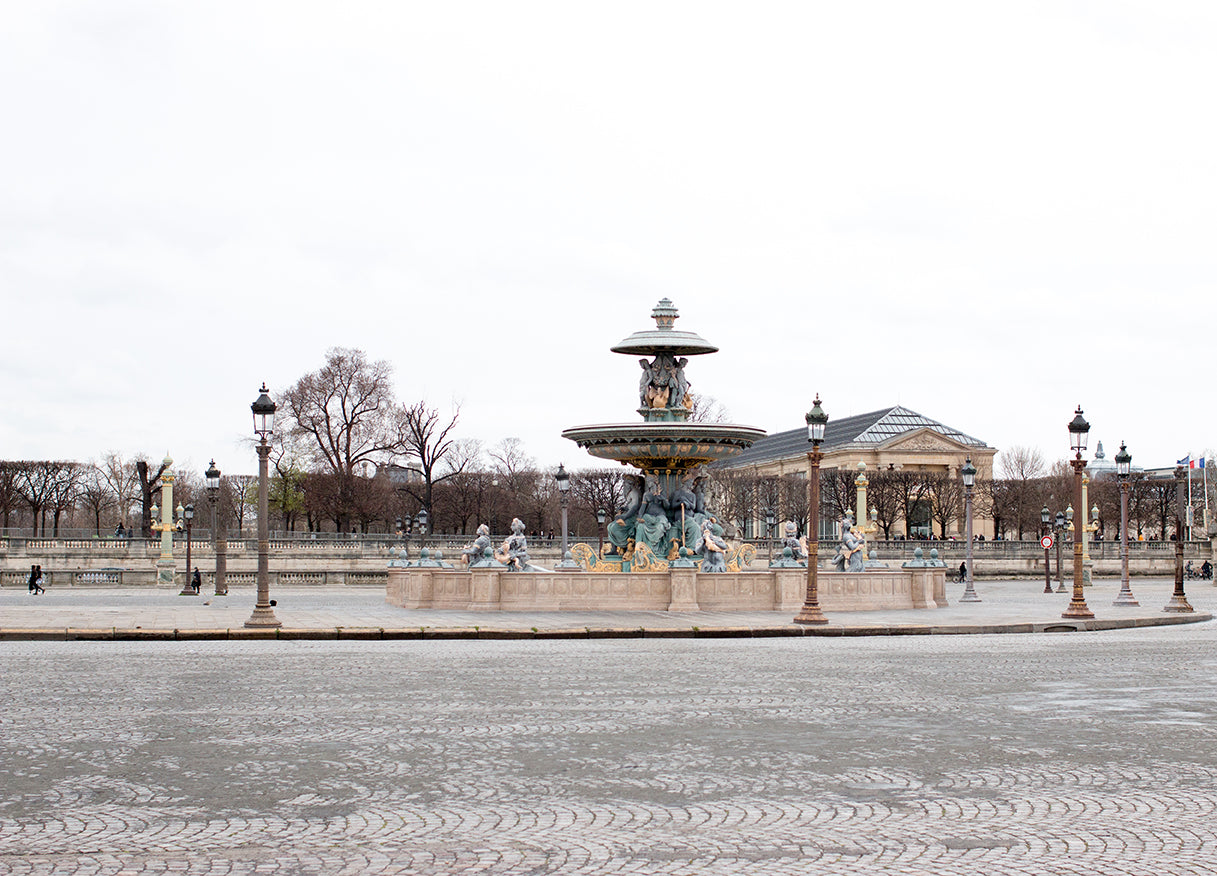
{"x": 664, "y": 518}
{"x": 663, "y": 538}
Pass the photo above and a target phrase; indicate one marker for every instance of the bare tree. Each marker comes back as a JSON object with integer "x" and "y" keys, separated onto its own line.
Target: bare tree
{"x": 597, "y": 489}
{"x": 838, "y": 493}
{"x": 10, "y": 494}
{"x": 122, "y": 479}
{"x": 37, "y": 480}
{"x": 96, "y": 496}
{"x": 734, "y": 492}
{"x": 1022, "y": 469}
{"x": 794, "y": 500}
{"x": 885, "y": 496}
{"x": 345, "y": 414}
{"x": 239, "y": 497}
{"x": 461, "y": 496}
{"x": 707, "y": 409}
{"x": 148, "y": 484}
{"x": 946, "y": 500}
{"x": 425, "y": 436}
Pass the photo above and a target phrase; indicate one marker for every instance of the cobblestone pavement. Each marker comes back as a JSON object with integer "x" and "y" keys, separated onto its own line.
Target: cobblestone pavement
{"x": 1078, "y": 753}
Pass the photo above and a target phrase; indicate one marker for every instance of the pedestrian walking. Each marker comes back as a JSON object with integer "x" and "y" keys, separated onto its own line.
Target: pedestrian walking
{"x": 196, "y": 580}
{"x": 36, "y": 580}
{"x": 33, "y": 578}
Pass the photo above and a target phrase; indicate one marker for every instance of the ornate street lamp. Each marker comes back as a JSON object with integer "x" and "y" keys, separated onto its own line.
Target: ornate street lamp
{"x": 218, "y": 540}
{"x": 264, "y": 426}
{"x": 187, "y": 515}
{"x": 1046, "y": 529}
{"x": 563, "y": 479}
{"x": 1179, "y": 598}
{"x": 817, "y": 420}
{"x": 1123, "y": 471}
{"x": 968, "y": 473}
{"x": 770, "y": 519}
{"x": 420, "y": 523}
{"x": 1078, "y": 431}
{"x": 601, "y": 517}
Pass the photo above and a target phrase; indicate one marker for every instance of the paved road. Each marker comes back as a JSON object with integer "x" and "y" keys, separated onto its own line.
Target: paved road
{"x": 1040, "y": 754}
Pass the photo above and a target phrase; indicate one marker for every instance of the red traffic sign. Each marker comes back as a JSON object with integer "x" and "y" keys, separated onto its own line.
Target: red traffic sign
{"x": 1046, "y": 542}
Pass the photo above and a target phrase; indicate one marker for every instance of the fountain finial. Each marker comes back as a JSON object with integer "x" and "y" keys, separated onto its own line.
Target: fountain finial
{"x": 665, "y": 314}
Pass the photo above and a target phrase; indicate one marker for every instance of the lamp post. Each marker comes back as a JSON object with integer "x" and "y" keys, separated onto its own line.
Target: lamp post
{"x": 1178, "y": 598}
{"x": 817, "y": 420}
{"x": 187, "y": 514}
{"x": 420, "y": 523}
{"x": 563, "y": 479}
{"x": 1123, "y": 471}
{"x": 1046, "y": 529}
{"x": 1078, "y": 429}
{"x": 601, "y": 517}
{"x": 218, "y": 540}
{"x": 264, "y": 422}
{"x": 770, "y": 519}
{"x": 968, "y": 473}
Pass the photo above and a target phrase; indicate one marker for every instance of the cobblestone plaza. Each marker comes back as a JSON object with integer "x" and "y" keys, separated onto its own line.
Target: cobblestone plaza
{"x": 1085, "y": 752}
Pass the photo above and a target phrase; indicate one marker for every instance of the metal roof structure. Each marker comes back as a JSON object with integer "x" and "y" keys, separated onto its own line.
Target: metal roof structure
{"x": 861, "y": 431}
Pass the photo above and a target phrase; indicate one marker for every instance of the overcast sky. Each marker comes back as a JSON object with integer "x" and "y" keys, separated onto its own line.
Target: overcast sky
{"x": 987, "y": 212}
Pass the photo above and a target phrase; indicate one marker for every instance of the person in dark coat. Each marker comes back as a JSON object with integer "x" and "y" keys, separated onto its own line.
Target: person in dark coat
{"x": 196, "y": 580}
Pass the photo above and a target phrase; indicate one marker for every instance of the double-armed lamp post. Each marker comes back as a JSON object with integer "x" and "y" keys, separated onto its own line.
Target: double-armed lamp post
{"x": 264, "y": 425}
{"x": 817, "y": 421}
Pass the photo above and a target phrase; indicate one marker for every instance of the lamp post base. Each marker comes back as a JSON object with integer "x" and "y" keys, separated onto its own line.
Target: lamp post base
{"x": 263, "y": 616}
{"x": 1077, "y": 610}
{"x": 1125, "y": 597}
{"x": 1178, "y": 603}
{"x": 969, "y": 595}
{"x": 810, "y": 615}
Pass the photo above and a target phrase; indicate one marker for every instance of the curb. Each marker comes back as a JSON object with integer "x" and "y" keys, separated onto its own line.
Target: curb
{"x": 138, "y": 634}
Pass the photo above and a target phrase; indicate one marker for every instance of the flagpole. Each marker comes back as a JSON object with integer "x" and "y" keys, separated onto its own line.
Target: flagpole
{"x": 1191, "y": 462}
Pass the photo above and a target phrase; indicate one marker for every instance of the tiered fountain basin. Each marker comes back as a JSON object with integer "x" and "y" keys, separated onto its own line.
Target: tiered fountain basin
{"x": 664, "y": 446}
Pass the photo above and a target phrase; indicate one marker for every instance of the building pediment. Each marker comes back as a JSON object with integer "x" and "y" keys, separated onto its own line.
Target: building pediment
{"x": 924, "y": 440}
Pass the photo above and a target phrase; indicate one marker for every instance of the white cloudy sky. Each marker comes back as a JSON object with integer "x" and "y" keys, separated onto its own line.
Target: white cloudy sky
{"x": 987, "y": 212}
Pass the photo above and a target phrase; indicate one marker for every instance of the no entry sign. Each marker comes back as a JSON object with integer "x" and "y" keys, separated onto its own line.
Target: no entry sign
{"x": 1046, "y": 542}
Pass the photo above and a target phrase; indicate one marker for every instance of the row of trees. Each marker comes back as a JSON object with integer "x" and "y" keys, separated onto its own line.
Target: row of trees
{"x": 44, "y": 496}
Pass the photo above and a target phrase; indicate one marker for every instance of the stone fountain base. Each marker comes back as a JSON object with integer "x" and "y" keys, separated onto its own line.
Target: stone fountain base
{"x": 671, "y": 590}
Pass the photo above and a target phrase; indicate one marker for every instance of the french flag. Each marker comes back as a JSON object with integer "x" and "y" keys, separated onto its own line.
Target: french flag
{"x": 1191, "y": 463}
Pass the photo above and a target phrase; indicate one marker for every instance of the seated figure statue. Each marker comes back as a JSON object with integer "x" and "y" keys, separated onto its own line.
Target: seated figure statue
{"x": 472, "y": 553}
{"x": 797, "y": 548}
{"x": 513, "y": 553}
{"x": 849, "y": 556}
{"x": 621, "y": 528}
{"x": 652, "y": 525}
{"x": 713, "y": 548}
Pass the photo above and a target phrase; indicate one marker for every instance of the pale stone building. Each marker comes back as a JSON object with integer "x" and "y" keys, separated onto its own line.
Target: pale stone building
{"x": 893, "y": 438}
